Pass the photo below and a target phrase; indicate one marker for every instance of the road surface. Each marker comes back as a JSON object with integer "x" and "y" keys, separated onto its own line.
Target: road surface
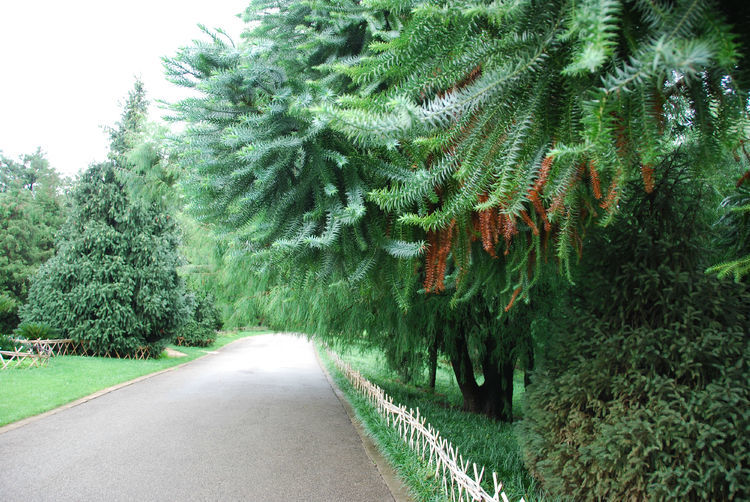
{"x": 257, "y": 421}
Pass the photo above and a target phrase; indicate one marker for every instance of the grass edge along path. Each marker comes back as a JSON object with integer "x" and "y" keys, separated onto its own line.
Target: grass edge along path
{"x": 413, "y": 473}
{"x": 26, "y": 393}
{"x": 488, "y": 443}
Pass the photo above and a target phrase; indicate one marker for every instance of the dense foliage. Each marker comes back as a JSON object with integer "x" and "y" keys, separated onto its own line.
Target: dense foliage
{"x": 113, "y": 281}
{"x": 35, "y": 331}
{"x": 8, "y": 313}
{"x": 204, "y": 319}
{"x": 7, "y": 342}
{"x": 521, "y": 120}
{"x": 367, "y": 154}
{"x": 646, "y": 395}
{"x": 734, "y": 233}
{"x": 32, "y": 209}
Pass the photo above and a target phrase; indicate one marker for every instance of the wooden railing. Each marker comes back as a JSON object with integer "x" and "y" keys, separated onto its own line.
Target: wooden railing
{"x": 425, "y": 440}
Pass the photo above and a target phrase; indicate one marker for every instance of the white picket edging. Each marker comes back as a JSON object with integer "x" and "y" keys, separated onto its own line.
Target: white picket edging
{"x": 422, "y": 437}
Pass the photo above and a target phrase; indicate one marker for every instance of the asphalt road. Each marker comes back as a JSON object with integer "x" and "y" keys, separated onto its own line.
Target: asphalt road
{"x": 257, "y": 421}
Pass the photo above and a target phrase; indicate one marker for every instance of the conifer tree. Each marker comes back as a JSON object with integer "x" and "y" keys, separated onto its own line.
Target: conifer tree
{"x": 32, "y": 200}
{"x": 113, "y": 281}
{"x": 524, "y": 119}
{"x": 295, "y": 192}
{"x": 387, "y": 150}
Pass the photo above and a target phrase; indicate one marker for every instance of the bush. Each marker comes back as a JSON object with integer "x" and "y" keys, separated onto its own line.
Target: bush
{"x": 35, "y": 331}
{"x": 646, "y": 397}
{"x": 640, "y": 413}
{"x": 203, "y": 321}
{"x": 8, "y": 314}
{"x": 7, "y": 343}
{"x": 206, "y": 311}
{"x": 194, "y": 334}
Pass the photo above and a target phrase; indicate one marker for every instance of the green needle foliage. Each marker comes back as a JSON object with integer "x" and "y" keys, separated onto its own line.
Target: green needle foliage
{"x": 534, "y": 113}
{"x": 113, "y": 281}
{"x": 32, "y": 209}
{"x": 734, "y": 238}
{"x": 260, "y": 163}
{"x": 359, "y": 150}
{"x": 322, "y": 257}
{"x": 291, "y": 190}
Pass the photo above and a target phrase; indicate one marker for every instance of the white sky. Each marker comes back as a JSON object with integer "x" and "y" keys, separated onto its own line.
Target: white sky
{"x": 66, "y": 65}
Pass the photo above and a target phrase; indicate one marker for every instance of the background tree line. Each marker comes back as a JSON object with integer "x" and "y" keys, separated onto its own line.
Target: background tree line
{"x": 102, "y": 267}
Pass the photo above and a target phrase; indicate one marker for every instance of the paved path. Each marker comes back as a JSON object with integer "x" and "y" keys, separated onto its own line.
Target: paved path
{"x": 257, "y": 421}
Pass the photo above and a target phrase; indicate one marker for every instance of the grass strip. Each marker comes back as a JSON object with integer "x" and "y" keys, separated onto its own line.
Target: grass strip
{"x": 420, "y": 481}
{"x": 480, "y": 439}
{"x": 28, "y": 392}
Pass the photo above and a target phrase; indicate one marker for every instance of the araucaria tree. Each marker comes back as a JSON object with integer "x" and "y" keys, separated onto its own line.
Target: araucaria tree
{"x": 396, "y": 150}
{"x": 113, "y": 282}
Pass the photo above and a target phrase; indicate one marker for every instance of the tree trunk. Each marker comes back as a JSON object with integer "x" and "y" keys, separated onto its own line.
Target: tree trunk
{"x": 433, "y": 361}
{"x": 494, "y": 397}
{"x": 464, "y": 371}
{"x": 498, "y": 367}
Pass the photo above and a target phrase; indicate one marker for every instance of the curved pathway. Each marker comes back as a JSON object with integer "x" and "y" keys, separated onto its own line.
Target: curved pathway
{"x": 257, "y": 421}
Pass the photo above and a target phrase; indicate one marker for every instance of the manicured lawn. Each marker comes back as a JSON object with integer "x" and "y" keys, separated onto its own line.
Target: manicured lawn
{"x": 482, "y": 440}
{"x": 28, "y": 392}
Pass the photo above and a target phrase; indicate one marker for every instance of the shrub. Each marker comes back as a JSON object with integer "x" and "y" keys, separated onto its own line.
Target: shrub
{"x": 640, "y": 413}
{"x": 203, "y": 321}
{"x": 8, "y": 314}
{"x": 206, "y": 311}
{"x": 7, "y": 343}
{"x": 35, "y": 331}
{"x": 646, "y": 396}
{"x": 194, "y": 334}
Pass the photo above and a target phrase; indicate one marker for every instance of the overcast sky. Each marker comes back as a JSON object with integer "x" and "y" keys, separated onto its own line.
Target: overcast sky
{"x": 66, "y": 65}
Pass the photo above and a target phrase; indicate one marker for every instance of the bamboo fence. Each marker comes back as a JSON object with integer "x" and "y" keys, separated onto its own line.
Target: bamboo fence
{"x": 18, "y": 359}
{"x": 67, "y": 346}
{"x": 55, "y": 347}
{"x": 453, "y": 470}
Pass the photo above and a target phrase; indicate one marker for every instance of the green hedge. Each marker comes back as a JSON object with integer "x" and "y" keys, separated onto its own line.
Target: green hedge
{"x": 646, "y": 396}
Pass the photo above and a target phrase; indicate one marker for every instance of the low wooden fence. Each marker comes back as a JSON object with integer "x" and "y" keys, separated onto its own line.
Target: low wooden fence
{"x": 453, "y": 470}
{"x": 19, "y": 359}
{"x": 56, "y": 347}
{"x": 67, "y": 346}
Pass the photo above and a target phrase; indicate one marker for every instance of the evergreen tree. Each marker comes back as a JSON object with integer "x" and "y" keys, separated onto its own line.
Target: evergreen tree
{"x": 113, "y": 281}
{"x": 383, "y": 151}
{"x": 125, "y": 133}
{"x": 294, "y": 192}
{"x": 31, "y": 211}
{"x": 530, "y": 115}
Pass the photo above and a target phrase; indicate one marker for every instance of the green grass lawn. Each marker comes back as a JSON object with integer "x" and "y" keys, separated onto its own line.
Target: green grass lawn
{"x": 479, "y": 439}
{"x": 28, "y": 392}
